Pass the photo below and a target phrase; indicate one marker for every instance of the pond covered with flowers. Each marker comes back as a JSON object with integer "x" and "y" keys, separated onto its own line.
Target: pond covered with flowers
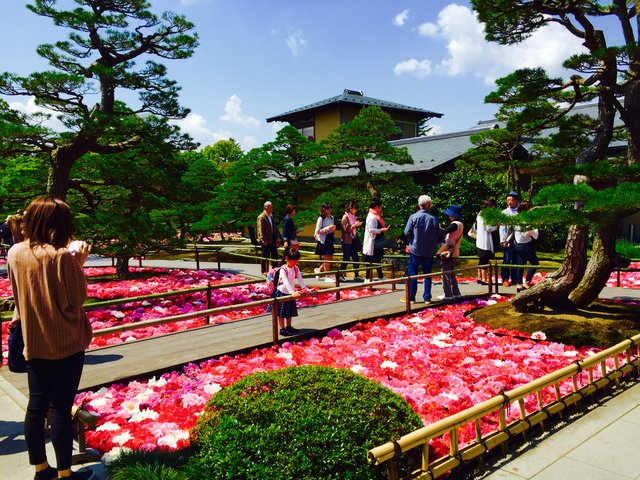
{"x": 439, "y": 360}
{"x": 171, "y": 280}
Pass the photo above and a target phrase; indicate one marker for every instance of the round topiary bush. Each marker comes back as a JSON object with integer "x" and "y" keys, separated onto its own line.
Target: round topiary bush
{"x": 301, "y": 422}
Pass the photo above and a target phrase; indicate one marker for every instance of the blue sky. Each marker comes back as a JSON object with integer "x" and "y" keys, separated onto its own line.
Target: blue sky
{"x": 257, "y": 59}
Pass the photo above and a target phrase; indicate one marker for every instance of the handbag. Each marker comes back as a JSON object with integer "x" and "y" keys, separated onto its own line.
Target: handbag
{"x": 472, "y": 231}
{"x": 444, "y": 251}
{"x": 380, "y": 241}
{"x": 16, "y": 360}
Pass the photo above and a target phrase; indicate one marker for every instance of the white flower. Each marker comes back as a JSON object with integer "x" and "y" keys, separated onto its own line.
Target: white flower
{"x": 130, "y": 339}
{"x": 439, "y": 343}
{"x": 285, "y": 355}
{"x": 358, "y": 368}
{"x": 388, "y": 364}
{"x": 212, "y": 389}
{"x": 171, "y": 439}
{"x": 145, "y": 414}
{"x": 98, "y": 402}
{"x": 123, "y": 438}
{"x": 117, "y": 314}
{"x": 570, "y": 353}
{"x": 539, "y": 336}
{"x": 160, "y": 382}
{"x": 113, "y": 454}
{"x": 108, "y": 427}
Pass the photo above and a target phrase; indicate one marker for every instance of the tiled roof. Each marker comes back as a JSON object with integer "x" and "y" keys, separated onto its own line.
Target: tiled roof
{"x": 355, "y": 99}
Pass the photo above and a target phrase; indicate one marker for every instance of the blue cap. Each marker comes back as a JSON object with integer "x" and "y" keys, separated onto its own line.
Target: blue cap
{"x": 513, "y": 194}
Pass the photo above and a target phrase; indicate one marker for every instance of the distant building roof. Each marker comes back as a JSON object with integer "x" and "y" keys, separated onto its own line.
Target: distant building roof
{"x": 354, "y": 97}
{"x": 428, "y": 153}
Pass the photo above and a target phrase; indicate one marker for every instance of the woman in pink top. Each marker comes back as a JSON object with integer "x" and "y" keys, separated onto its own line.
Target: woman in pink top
{"x": 49, "y": 289}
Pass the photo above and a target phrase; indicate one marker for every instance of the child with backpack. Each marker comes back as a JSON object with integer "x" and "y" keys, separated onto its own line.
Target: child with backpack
{"x": 283, "y": 282}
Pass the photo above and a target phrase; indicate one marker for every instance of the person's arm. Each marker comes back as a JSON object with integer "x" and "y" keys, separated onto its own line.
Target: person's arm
{"x": 260, "y": 227}
{"x": 371, "y": 226}
{"x": 74, "y": 280}
{"x": 345, "y": 225}
{"x": 408, "y": 230}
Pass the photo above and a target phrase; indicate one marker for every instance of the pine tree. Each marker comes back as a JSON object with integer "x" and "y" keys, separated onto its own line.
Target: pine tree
{"x": 97, "y": 60}
{"x": 602, "y": 188}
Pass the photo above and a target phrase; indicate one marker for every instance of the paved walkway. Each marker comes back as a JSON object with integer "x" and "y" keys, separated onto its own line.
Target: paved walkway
{"x": 603, "y": 444}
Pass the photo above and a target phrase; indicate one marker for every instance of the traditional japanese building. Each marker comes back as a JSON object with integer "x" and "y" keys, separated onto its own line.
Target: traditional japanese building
{"x": 317, "y": 120}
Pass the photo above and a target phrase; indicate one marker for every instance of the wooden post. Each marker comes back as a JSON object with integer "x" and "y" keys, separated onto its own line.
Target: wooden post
{"x": 407, "y": 294}
{"x": 218, "y": 257}
{"x": 393, "y": 275}
{"x": 140, "y": 260}
{"x": 198, "y": 259}
{"x": 274, "y": 321}
{"x": 618, "y": 277}
{"x": 207, "y": 319}
{"x": 495, "y": 267}
{"x": 337, "y": 285}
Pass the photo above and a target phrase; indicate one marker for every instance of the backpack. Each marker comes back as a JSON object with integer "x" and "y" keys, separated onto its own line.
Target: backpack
{"x": 273, "y": 276}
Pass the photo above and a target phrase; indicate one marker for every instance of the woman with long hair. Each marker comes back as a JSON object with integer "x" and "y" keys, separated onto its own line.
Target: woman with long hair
{"x": 49, "y": 290}
{"x": 324, "y": 235}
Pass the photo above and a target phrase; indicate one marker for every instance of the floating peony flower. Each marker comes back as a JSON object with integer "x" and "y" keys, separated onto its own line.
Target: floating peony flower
{"x": 539, "y": 336}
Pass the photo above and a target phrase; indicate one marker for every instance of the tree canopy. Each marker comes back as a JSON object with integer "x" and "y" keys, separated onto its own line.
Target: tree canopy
{"x": 95, "y": 63}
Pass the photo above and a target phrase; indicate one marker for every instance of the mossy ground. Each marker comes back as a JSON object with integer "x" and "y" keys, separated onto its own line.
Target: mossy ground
{"x": 601, "y": 324}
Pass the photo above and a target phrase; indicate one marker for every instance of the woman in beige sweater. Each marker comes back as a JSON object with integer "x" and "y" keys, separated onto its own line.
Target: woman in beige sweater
{"x": 49, "y": 290}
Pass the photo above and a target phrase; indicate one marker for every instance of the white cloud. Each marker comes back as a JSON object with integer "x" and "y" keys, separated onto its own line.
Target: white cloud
{"x": 414, "y": 67}
{"x": 400, "y": 19}
{"x": 468, "y": 53}
{"x": 249, "y": 142}
{"x": 435, "y": 130}
{"x": 196, "y": 125}
{"x": 233, "y": 113}
{"x": 296, "y": 43}
{"x": 30, "y": 108}
{"x": 428, "y": 29}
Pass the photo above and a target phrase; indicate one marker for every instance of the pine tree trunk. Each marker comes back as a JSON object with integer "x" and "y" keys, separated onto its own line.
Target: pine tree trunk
{"x": 373, "y": 190}
{"x": 59, "y": 172}
{"x": 122, "y": 268}
{"x": 556, "y": 287}
{"x": 599, "y": 267}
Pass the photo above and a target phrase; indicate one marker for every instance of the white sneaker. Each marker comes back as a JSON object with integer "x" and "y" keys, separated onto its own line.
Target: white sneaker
{"x": 330, "y": 280}
{"x": 446, "y": 299}
{"x": 366, "y": 280}
{"x": 316, "y": 271}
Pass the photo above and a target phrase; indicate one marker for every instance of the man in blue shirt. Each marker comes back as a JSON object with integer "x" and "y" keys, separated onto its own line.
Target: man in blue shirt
{"x": 422, "y": 234}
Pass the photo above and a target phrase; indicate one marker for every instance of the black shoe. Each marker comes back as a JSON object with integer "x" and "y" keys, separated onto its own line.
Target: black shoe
{"x": 284, "y": 332}
{"x": 48, "y": 473}
{"x": 82, "y": 475}
{"x": 292, "y": 330}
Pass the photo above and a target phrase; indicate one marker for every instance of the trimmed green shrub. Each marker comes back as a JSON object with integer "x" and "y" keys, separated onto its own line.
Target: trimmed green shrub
{"x": 301, "y": 422}
{"x": 155, "y": 465}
